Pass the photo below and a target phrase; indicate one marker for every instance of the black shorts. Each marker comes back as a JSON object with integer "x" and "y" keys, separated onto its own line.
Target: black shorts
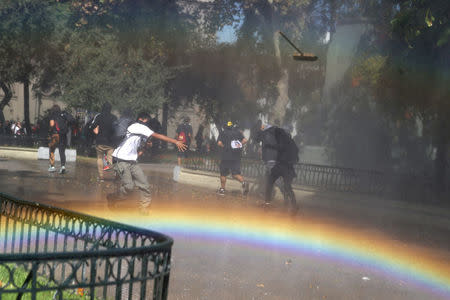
{"x": 227, "y": 166}
{"x": 183, "y": 154}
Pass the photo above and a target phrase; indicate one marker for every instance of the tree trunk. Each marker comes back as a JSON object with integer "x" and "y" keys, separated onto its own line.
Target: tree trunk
{"x": 165, "y": 116}
{"x": 279, "y": 109}
{"x": 26, "y": 105}
{"x": 8, "y": 95}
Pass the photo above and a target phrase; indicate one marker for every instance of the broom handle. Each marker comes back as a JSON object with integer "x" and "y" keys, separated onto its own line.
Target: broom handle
{"x": 285, "y": 37}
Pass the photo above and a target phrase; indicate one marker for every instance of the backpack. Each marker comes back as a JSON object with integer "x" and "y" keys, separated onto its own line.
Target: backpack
{"x": 88, "y": 131}
{"x": 120, "y": 128}
{"x": 62, "y": 122}
{"x": 289, "y": 150}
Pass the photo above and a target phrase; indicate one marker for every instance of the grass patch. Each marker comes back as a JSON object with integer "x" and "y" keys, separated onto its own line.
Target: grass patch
{"x": 19, "y": 277}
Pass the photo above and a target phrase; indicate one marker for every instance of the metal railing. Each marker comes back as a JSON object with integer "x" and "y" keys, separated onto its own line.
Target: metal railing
{"x": 331, "y": 178}
{"x": 52, "y": 253}
{"x": 22, "y": 140}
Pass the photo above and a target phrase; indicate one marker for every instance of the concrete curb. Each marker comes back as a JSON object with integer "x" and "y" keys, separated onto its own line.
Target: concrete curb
{"x": 19, "y": 153}
{"x": 34, "y": 154}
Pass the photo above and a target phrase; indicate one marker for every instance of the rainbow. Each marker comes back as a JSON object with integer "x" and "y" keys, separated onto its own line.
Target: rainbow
{"x": 429, "y": 269}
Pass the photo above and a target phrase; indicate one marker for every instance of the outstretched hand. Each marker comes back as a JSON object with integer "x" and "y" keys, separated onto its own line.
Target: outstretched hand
{"x": 181, "y": 146}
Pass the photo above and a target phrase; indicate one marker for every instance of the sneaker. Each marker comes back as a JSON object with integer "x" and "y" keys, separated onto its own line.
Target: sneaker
{"x": 245, "y": 188}
{"x": 62, "y": 170}
{"x": 107, "y": 168}
{"x": 52, "y": 169}
{"x": 221, "y": 192}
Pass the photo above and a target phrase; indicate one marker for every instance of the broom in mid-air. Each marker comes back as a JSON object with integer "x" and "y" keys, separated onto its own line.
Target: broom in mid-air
{"x": 300, "y": 55}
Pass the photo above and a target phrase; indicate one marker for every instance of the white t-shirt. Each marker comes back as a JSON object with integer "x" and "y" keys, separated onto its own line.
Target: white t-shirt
{"x": 128, "y": 149}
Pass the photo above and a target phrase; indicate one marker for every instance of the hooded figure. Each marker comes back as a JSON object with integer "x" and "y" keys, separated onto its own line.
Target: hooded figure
{"x": 273, "y": 153}
{"x": 269, "y": 142}
{"x": 106, "y": 107}
{"x": 104, "y": 141}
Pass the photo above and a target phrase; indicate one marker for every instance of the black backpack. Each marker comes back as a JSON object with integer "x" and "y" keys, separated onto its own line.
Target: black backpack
{"x": 63, "y": 121}
{"x": 88, "y": 131}
{"x": 120, "y": 127}
{"x": 288, "y": 151}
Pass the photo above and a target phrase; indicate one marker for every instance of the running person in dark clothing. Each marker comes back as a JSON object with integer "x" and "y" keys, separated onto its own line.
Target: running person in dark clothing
{"x": 279, "y": 162}
{"x": 231, "y": 141}
{"x": 104, "y": 141}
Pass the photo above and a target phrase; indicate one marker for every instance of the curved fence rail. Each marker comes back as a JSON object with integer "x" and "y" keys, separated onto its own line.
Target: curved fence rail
{"x": 52, "y": 253}
{"x": 333, "y": 178}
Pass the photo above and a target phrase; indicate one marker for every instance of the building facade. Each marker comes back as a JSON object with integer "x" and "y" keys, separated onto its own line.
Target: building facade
{"x": 15, "y": 109}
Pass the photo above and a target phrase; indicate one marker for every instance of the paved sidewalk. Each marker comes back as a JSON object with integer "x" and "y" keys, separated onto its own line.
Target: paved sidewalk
{"x": 225, "y": 270}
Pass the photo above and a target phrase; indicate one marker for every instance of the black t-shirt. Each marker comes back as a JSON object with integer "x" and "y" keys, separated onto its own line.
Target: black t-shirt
{"x": 105, "y": 135}
{"x": 231, "y": 150}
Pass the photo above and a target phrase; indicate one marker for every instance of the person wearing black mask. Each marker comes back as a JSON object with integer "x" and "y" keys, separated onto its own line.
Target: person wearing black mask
{"x": 279, "y": 154}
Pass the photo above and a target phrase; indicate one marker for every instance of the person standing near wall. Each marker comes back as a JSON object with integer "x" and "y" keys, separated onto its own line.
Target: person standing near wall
{"x": 199, "y": 139}
{"x": 184, "y": 135}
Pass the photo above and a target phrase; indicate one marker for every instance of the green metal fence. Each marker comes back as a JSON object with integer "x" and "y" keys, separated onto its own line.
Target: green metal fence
{"x": 333, "y": 178}
{"x": 52, "y": 253}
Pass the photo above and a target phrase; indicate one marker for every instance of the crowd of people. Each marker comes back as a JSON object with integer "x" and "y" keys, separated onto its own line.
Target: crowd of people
{"x": 14, "y": 128}
{"x": 16, "y": 131}
{"x": 119, "y": 142}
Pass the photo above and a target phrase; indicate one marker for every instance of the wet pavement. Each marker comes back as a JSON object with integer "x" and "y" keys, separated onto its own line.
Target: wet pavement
{"x": 232, "y": 248}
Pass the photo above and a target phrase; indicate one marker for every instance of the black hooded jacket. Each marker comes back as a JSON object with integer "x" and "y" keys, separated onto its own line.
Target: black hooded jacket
{"x": 269, "y": 143}
{"x": 105, "y": 122}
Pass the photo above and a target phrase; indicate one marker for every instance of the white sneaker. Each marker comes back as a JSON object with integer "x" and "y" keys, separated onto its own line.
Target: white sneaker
{"x": 52, "y": 169}
{"x": 62, "y": 170}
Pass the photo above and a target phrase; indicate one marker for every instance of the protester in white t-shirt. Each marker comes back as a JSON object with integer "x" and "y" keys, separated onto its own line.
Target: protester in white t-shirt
{"x": 126, "y": 155}
{"x": 15, "y": 128}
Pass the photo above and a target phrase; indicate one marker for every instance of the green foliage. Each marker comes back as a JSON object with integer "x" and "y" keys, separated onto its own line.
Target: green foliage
{"x": 399, "y": 76}
{"x": 418, "y": 20}
{"x": 99, "y": 69}
{"x": 25, "y": 36}
{"x": 369, "y": 69}
{"x": 89, "y": 52}
{"x": 20, "y": 275}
